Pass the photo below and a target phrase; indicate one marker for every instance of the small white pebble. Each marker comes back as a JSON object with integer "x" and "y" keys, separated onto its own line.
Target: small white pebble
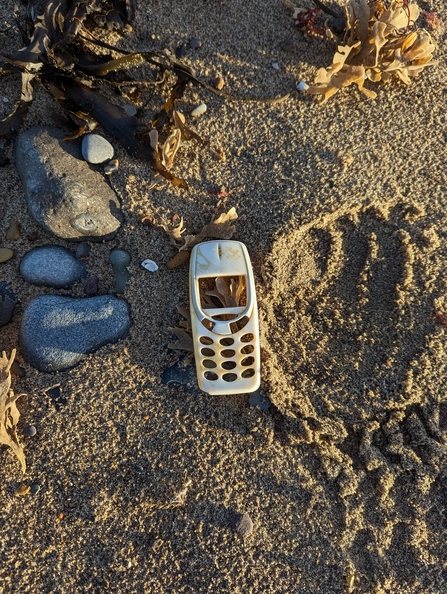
{"x": 199, "y": 110}
{"x": 149, "y": 265}
{"x": 5, "y": 100}
{"x": 302, "y": 86}
{"x": 275, "y": 65}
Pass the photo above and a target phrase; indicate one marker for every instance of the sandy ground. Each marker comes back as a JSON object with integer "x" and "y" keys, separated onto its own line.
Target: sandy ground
{"x": 344, "y": 476}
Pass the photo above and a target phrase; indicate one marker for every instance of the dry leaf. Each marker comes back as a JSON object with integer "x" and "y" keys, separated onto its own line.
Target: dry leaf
{"x": 219, "y": 228}
{"x": 381, "y": 43}
{"x": 170, "y": 148}
{"x": 9, "y": 414}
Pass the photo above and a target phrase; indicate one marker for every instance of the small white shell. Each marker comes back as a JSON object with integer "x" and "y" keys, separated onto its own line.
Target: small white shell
{"x": 199, "y": 110}
{"x": 275, "y": 65}
{"x": 111, "y": 167}
{"x": 149, "y": 265}
{"x": 302, "y": 86}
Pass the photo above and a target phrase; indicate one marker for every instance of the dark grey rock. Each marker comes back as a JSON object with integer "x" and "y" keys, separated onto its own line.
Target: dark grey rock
{"x": 65, "y": 196}
{"x": 96, "y": 149}
{"x": 195, "y": 43}
{"x": 242, "y": 524}
{"x": 83, "y": 250}
{"x": 55, "y": 393}
{"x": 30, "y": 430}
{"x": 91, "y": 286}
{"x": 120, "y": 260}
{"x": 179, "y": 374}
{"x": 58, "y": 332}
{"x": 258, "y": 399}
{"x": 181, "y": 51}
{"x": 52, "y": 266}
{"x": 8, "y": 300}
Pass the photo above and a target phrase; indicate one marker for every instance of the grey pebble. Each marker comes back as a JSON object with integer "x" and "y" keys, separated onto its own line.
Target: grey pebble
{"x": 64, "y": 194}
{"x": 120, "y": 259}
{"x": 195, "y": 43}
{"x": 242, "y": 524}
{"x": 257, "y": 399}
{"x": 51, "y": 266}
{"x": 96, "y": 149}
{"x": 58, "y": 332}
{"x": 35, "y": 488}
{"x": 30, "y": 430}
{"x": 83, "y": 250}
{"x": 130, "y": 109}
{"x": 91, "y": 286}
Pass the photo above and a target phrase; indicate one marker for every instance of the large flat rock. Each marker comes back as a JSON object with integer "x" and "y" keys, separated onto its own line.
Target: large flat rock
{"x": 64, "y": 194}
{"x": 58, "y": 332}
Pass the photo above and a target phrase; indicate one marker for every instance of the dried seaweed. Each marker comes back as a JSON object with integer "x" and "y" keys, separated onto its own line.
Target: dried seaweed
{"x": 381, "y": 43}
{"x": 9, "y": 414}
{"x": 60, "y": 54}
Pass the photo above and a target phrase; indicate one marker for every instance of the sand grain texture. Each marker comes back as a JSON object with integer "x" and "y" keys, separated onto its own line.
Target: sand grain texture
{"x": 342, "y": 208}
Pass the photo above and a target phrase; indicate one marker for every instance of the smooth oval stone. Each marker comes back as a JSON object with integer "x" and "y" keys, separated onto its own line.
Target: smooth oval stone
{"x": 257, "y": 399}
{"x": 199, "y": 110}
{"x": 5, "y": 254}
{"x": 242, "y": 524}
{"x": 150, "y": 265}
{"x": 96, "y": 149}
{"x": 52, "y": 266}
{"x": 64, "y": 194}
{"x": 120, "y": 259}
{"x": 8, "y": 301}
{"x": 91, "y": 286}
{"x": 30, "y": 430}
{"x": 195, "y": 43}
{"x": 58, "y": 332}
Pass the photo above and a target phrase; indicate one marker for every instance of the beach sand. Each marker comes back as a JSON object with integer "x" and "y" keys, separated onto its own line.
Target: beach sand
{"x": 342, "y": 207}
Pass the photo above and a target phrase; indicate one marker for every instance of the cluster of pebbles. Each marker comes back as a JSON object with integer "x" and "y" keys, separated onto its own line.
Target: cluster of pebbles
{"x": 72, "y": 200}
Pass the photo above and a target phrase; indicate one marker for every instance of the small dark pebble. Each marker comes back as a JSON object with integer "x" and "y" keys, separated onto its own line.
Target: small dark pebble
{"x": 35, "y": 488}
{"x": 194, "y": 43}
{"x": 179, "y": 375}
{"x": 91, "y": 285}
{"x": 181, "y": 51}
{"x": 56, "y": 396}
{"x": 17, "y": 370}
{"x": 8, "y": 301}
{"x": 33, "y": 236}
{"x": 83, "y": 250}
{"x": 337, "y": 25}
{"x": 257, "y": 399}
{"x": 3, "y": 158}
{"x": 287, "y": 46}
{"x": 242, "y": 525}
{"x": 30, "y": 430}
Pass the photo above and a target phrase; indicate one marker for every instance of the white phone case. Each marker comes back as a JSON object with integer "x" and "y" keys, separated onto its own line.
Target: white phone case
{"x": 226, "y": 338}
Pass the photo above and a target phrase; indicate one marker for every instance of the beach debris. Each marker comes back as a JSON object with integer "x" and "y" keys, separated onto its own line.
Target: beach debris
{"x": 242, "y": 524}
{"x": 8, "y": 300}
{"x": 434, "y": 22}
{"x": 22, "y": 490}
{"x": 149, "y": 265}
{"x": 179, "y": 259}
{"x": 30, "y": 430}
{"x": 5, "y": 254}
{"x": 13, "y": 231}
{"x": 35, "y": 488}
{"x": 218, "y": 228}
{"x": 199, "y": 110}
{"x": 120, "y": 259}
{"x": 302, "y": 86}
{"x": 381, "y": 43}
{"x": 111, "y": 167}
{"x": 96, "y": 149}
{"x": 9, "y": 413}
{"x": 52, "y": 266}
